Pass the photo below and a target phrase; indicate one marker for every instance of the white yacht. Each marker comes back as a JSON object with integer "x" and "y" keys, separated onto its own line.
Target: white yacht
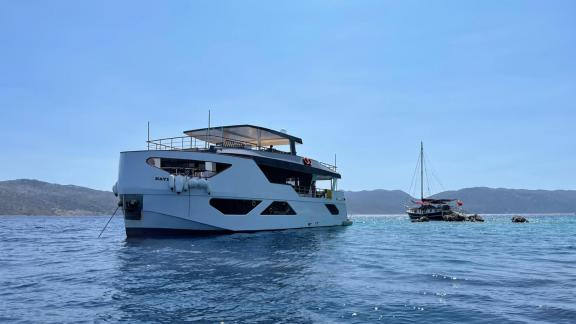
{"x": 226, "y": 179}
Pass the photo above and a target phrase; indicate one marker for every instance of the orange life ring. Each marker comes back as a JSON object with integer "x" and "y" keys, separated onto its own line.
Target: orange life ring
{"x": 307, "y": 161}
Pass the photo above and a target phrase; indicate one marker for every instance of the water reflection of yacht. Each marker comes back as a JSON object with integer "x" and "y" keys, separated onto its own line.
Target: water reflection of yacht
{"x": 226, "y": 179}
{"x": 207, "y": 279}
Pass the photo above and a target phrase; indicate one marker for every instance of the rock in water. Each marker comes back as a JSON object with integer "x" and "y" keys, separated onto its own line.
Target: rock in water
{"x": 475, "y": 218}
{"x": 454, "y": 217}
{"x": 519, "y": 219}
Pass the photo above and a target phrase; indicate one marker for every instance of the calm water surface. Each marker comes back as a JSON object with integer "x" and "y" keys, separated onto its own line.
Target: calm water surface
{"x": 381, "y": 269}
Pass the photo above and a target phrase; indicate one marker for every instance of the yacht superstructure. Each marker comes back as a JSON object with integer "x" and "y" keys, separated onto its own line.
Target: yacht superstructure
{"x": 226, "y": 179}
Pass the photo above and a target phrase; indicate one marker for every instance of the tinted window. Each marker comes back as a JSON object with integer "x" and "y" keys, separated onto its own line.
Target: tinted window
{"x": 234, "y": 206}
{"x": 286, "y": 176}
{"x": 279, "y": 208}
{"x": 192, "y": 168}
{"x": 333, "y": 209}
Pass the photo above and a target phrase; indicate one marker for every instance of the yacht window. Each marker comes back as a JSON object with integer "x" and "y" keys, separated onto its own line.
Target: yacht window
{"x": 333, "y": 209}
{"x": 305, "y": 184}
{"x": 286, "y": 176}
{"x": 234, "y": 206}
{"x": 192, "y": 168}
{"x": 279, "y": 208}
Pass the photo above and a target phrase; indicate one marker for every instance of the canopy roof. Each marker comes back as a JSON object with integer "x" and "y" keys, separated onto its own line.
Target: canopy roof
{"x": 436, "y": 201}
{"x": 249, "y": 134}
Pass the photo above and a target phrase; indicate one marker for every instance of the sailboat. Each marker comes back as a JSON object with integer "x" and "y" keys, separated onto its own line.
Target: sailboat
{"x": 432, "y": 209}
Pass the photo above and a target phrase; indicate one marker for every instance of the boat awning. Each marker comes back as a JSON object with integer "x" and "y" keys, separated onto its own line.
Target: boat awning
{"x": 247, "y": 134}
{"x": 435, "y": 201}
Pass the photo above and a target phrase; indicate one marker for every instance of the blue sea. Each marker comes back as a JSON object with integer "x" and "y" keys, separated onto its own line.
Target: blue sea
{"x": 381, "y": 269}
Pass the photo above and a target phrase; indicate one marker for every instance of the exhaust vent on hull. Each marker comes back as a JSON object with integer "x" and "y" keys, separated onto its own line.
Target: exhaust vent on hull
{"x": 132, "y": 206}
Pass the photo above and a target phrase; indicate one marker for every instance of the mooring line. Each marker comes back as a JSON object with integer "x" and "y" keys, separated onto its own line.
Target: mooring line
{"x": 108, "y": 222}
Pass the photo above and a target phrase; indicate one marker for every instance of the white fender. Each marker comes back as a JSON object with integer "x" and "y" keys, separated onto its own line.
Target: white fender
{"x": 185, "y": 185}
{"x": 171, "y": 182}
{"x": 208, "y": 190}
{"x": 179, "y": 183}
{"x": 115, "y": 189}
{"x": 200, "y": 183}
{"x": 193, "y": 183}
{"x": 203, "y": 184}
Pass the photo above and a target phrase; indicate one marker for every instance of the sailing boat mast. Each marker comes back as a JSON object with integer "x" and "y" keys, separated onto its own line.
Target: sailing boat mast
{"x": 421, "y": 171}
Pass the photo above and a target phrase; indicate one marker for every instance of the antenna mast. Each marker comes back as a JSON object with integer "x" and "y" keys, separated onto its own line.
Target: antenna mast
{"x": 207, "y": 142}
{"x": 335, "y": 167}
{"x": 421, "y": 171}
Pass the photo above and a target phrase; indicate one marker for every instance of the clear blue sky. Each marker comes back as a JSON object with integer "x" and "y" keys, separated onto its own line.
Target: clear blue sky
{"x": 490, "y": 86}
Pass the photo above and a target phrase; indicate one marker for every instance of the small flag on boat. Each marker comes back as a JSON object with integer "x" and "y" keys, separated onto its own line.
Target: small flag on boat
{"x": 459, "y": 202}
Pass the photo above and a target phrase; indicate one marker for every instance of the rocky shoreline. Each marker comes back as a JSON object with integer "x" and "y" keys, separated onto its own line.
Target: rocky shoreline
{"x": 461, "y": 217}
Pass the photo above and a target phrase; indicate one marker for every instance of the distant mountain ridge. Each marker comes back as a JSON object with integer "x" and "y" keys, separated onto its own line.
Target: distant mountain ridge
{"x": 476, "y": 200}
{"x": 500, "y": 200}
{"x": 33, "y": 197}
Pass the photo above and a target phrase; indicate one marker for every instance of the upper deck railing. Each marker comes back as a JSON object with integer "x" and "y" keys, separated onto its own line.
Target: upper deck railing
{"x": 181, "y": 143}
{"x": 310, "y": 191}
{"x": 187, "y": 143}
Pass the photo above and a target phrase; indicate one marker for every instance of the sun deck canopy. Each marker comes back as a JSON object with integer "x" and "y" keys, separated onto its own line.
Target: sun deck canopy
{"x": 247, "y": 134}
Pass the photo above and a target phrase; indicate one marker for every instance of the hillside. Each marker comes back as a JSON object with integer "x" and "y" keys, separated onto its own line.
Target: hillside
{"x": 33, "y": 197}
{"x": 500, "y": 200}
{"x": 476, "y": 200}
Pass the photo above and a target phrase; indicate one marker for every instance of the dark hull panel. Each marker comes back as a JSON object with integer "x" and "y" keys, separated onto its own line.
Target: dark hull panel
{"x": 147, "y": 232}
{"x": 431, "y": 216}
{"x": 169, "y": 232}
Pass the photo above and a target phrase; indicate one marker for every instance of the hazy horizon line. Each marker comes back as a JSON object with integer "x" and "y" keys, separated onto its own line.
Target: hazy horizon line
{"x": 361, "y": 190}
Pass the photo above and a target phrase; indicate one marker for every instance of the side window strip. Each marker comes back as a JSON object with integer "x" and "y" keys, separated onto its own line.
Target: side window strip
{"x": 279, "y": 208}
{"x": 234, "y": 206}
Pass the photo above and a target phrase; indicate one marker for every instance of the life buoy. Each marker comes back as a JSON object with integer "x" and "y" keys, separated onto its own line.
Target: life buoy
{"x": 307, "y": 161}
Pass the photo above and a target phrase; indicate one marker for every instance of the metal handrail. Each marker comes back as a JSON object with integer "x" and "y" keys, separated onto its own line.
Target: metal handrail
{"x": 176, "y": 143}
{"x": 329, "y": 166}
{"x": 309, "y": 191}
{"x": 191, "y": 172}
{"x": 187, "y": 143}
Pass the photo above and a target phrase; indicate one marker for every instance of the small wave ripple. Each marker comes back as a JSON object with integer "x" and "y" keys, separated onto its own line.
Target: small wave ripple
{"x": 381, "y": 269}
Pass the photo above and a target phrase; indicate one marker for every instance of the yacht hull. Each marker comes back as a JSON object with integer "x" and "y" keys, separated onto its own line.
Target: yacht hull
{"x": 152, "y": 207}
{"x": 431, "y": 216}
